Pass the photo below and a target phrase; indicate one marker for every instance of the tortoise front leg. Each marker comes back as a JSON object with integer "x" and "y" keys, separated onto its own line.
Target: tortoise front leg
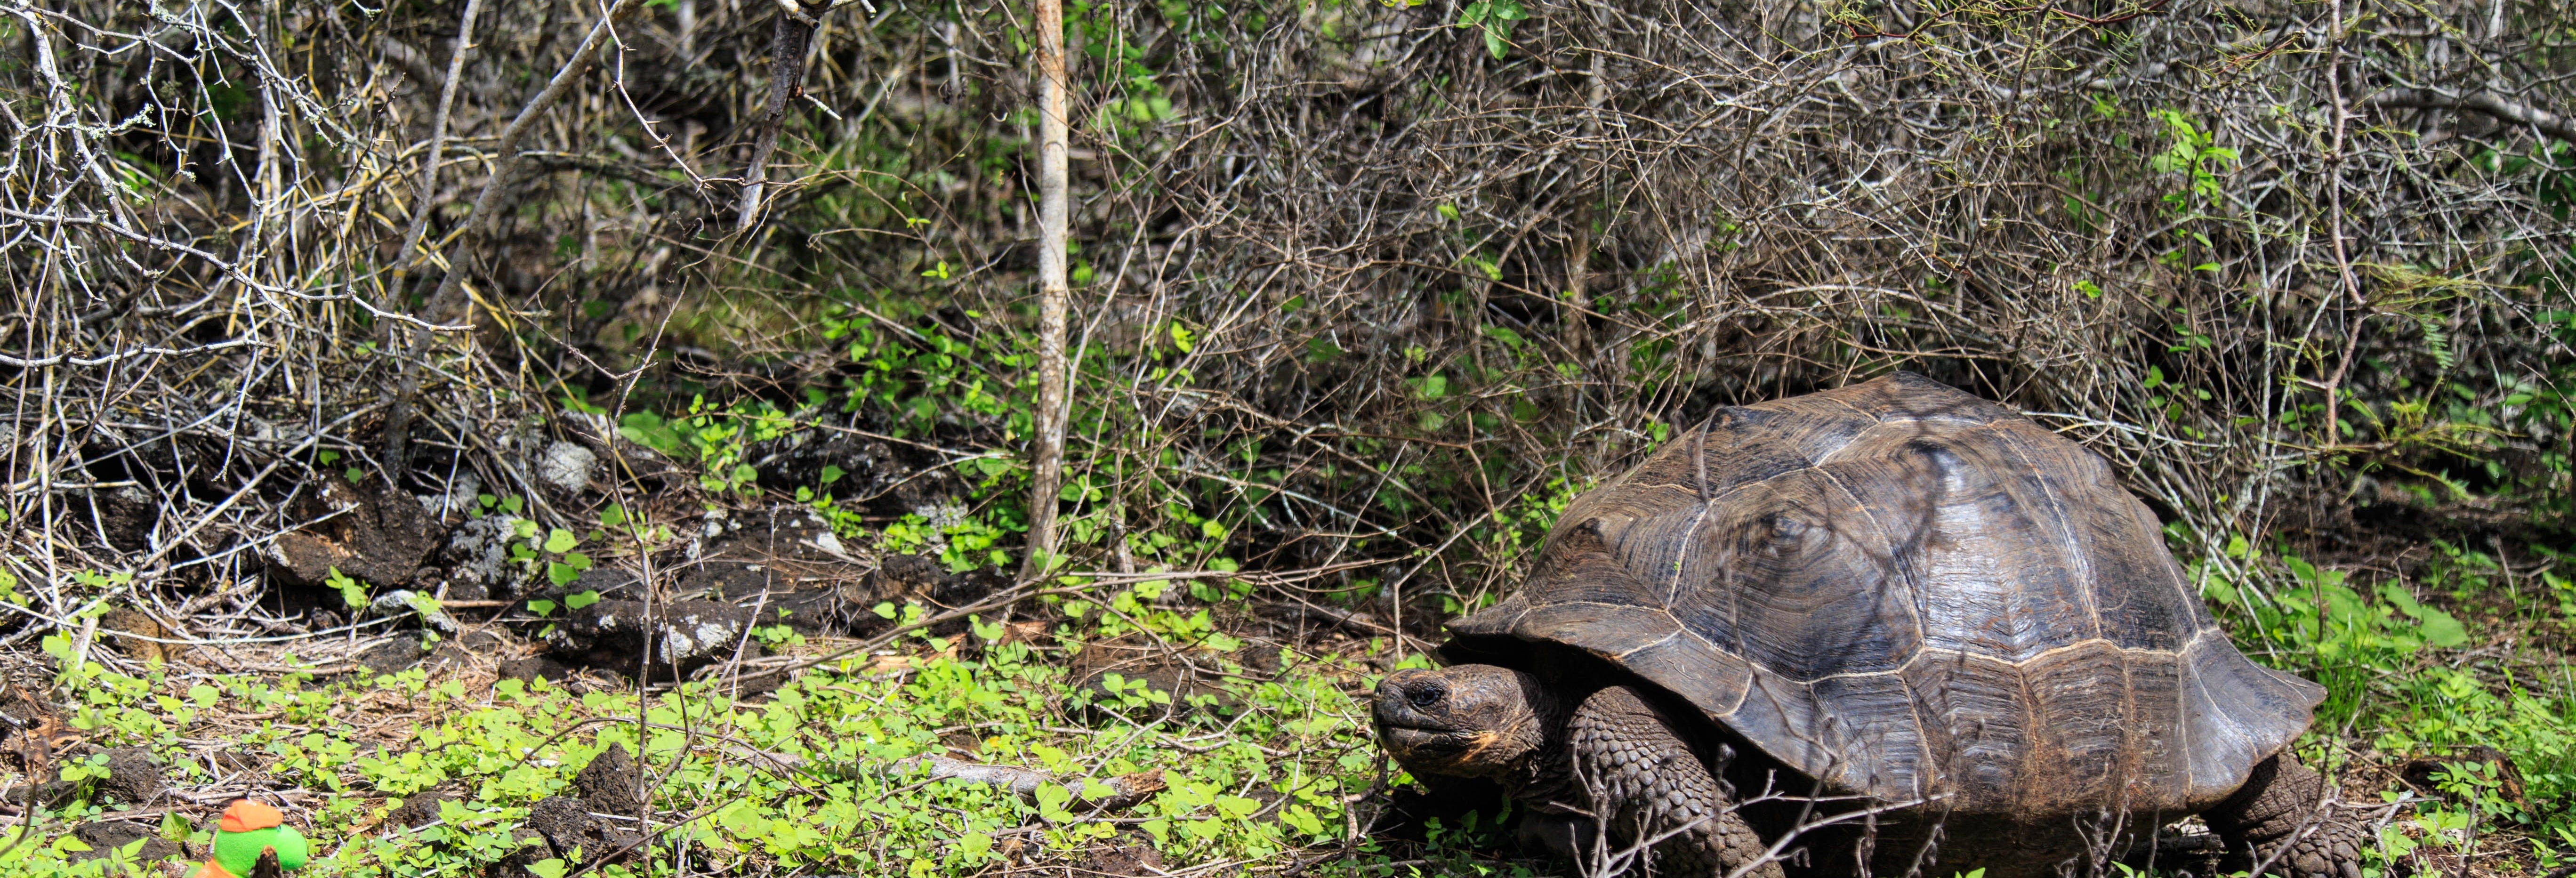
{"x": 1643, "y": 777}
{"x": 2266, "y": 816}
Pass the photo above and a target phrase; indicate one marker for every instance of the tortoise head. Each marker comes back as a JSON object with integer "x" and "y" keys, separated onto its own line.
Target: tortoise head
{"x": 1464, "y": 720}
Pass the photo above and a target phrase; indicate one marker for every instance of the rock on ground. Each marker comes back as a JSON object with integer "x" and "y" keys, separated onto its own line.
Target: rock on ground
{"x": 567, "y": 465}
{"x": 566, "y": 825}
{"x": 133, "y": 778}
{"x": 141, "y": 625}
{"x": 686, "y": 635}
{"x": 391, "y": 656}
{"x": 419, "y": 809}
{"x": 610, "y": 782}
{"x": 887, "y": 479}
{"x": 478, "y": 560}
{"x": 380, "y": 537}
{"x": 126, "y": 516}
{"x": 788, "y": 564}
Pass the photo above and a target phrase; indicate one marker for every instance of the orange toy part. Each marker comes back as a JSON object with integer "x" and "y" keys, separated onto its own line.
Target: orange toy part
{"x": 249, "y": 816}
{"x": 211, "y": 870}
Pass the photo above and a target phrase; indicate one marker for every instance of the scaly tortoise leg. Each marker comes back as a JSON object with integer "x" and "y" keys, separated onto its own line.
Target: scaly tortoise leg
{"x": 2266, "y": 816}
{"x": 1648, "y": 780}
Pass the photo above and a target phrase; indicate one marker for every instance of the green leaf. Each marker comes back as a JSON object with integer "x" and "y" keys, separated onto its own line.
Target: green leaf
{"x": 1051, "y": 801}
{"x": 578, "y": 600}
{"x": 351, "y": 592}
{"x": 833, "y": 473}
{"x": 1237, "y": 807}
{"x": 549, "y": 868}
{"x": 561, "y": 573}
{"x": 560, "y": 541}
{"x": 1433, "y": 386}
{"x": 2438, "y": 627}
{"x": 541, "y": 607}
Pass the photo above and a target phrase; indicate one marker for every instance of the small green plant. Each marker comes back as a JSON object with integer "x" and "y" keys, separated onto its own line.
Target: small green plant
{"x": 352, "y": 592}
{"x": 1495, "y": 19}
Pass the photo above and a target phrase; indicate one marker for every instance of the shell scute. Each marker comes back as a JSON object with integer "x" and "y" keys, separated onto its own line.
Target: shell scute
{"x": 1793, "y": 565}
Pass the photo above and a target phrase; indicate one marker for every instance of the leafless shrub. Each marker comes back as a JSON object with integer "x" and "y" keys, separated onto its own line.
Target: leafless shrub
{"x": 2266, "y": 256}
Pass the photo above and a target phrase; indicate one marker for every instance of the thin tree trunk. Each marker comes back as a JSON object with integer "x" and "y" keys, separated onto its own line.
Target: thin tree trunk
{"x": 486, "y": 204}
{"x": 1052, "y": 291}
{"x": 787, "y": 43}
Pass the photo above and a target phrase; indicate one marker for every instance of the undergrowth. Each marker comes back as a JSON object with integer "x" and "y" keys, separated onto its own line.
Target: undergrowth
{"x": 1276, "y": 769}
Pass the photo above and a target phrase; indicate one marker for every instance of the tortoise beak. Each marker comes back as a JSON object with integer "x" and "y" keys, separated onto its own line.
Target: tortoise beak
{"x": 1412, "y": 700}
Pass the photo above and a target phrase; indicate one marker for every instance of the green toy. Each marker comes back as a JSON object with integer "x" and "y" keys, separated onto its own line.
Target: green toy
{"x": 247, "y": 830}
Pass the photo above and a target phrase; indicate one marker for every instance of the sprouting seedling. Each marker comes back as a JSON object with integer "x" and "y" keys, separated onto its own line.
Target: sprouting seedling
{"x": 567, "y": 565}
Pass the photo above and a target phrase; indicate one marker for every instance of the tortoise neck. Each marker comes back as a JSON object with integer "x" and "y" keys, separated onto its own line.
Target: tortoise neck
{"x": 1546, "y": 775}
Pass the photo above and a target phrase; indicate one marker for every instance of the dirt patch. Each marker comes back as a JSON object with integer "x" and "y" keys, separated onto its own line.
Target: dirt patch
{"x": 1112, "y": 672}
{"x": 477, "y": 647}
{"x": 537, "y": 668}
{"x": 107, "y": 836}
{"x": 33, "y": 731}
{"x": 1123, "y": 860}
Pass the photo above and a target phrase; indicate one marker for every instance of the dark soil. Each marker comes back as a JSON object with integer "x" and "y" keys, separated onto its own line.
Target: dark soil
{"x": 106, "y": 836}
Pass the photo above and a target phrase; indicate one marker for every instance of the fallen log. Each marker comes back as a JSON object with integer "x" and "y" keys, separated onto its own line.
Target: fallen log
{"x": 1125, "y": 791}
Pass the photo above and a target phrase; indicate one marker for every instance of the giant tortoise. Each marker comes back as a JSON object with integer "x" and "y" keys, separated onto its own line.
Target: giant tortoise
{"x": 1946, "y": 623}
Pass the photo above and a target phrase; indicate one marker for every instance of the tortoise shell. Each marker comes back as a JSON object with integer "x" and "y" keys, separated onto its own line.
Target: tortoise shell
{"x": 1914, "y": 594}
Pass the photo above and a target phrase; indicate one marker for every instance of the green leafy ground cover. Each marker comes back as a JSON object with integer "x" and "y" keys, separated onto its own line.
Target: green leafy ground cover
{"x": 1273, "y": 770}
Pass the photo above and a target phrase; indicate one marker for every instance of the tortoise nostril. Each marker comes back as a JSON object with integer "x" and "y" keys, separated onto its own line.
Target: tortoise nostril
{"x": 1426, "y": 693}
